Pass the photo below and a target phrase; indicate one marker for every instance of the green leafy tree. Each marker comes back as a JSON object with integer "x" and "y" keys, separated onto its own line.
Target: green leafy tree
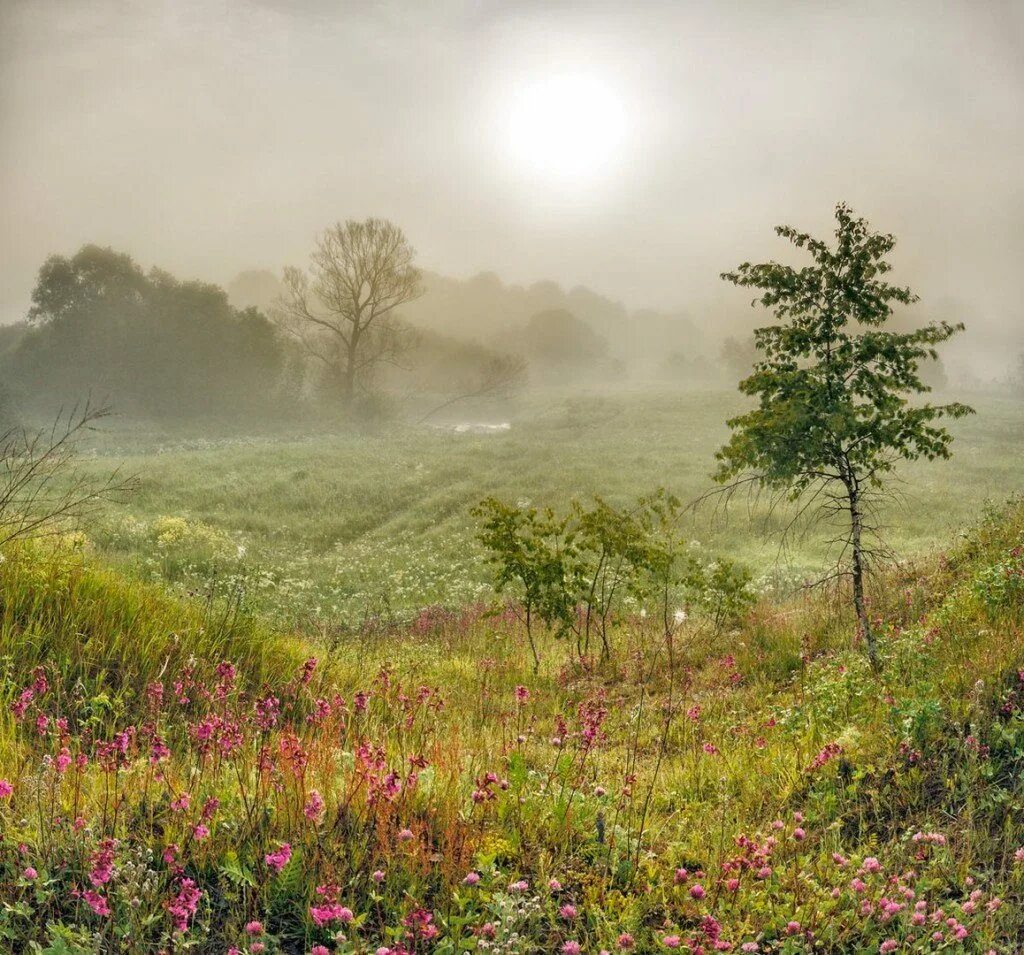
{"x": 834, "y": 387}
{"x": 532, "y": 552}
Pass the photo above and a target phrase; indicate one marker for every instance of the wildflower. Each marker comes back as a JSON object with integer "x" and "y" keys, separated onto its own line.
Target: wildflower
{"x": 314, "y": 807}
{"x": 571, "y": 948}
{"x": 554, "y": 885}
{"x": 625, "y": 941}
{"x": 749, "y": 947}
{"x": 63, "y": 760}
{"x": 889, "y": 945}
{"x": 472, "y": 878}
{"x": 792, "y": 928}
{"x": 30, "y": 873}
{"x": 278, "y": 859}
{"x": 200, "y": 832}
{"x": 405, "y": 835}
{"x": 378, "y": 876}
{"x": 697, "y": 891}
{"x": 671, "y": 941}
{"x": 420, "y": 922}
{"x": 102, "y": 863}
{"x": 522, "y": 694}
{"x": 799, "y": 834}
{"x": 330, "y": 912}
{"x": 254, "y": 927}
{"x": 6, "y": 789}
{"x": 183, "y": 906}
{"x": 319, "y": 950}
{"x": 871, "y": 864}
{"x": 96, "y": 902}
{"x": 568, "y": 912}
{"x": 600, "y": 791}
{"x": 521, "y": 886}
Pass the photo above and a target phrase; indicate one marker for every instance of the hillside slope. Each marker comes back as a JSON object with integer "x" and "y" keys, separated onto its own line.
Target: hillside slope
{"x": 176, "y": 777}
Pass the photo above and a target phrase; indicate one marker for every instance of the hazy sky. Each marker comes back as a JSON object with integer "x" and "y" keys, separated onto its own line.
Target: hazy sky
{"x": 635, "y": 147}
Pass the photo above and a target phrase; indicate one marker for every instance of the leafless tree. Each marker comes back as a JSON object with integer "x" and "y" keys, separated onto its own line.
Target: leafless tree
{"x": 342, "y": 309}
{"x": 42, "y": 490}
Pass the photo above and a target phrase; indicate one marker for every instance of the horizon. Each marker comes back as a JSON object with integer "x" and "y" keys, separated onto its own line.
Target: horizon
{"x": 209, "y": 141}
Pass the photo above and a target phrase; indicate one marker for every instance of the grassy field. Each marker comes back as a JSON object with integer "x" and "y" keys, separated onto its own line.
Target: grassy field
{"x": 332, "y": 528}
{"x": 185, "y": 775}
{"x": 177, "y": 777}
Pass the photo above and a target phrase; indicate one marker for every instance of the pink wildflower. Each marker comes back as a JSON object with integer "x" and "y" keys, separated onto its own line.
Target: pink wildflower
{"x": 96, "y": 902}
{"x": 279, "y": 858}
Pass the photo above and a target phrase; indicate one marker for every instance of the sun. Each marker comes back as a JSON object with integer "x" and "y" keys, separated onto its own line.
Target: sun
{"x": 567, "y": 127}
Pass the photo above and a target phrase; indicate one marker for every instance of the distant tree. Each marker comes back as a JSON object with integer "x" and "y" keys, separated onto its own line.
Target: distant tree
{"x": 255, "y": 288}
{"x": 144, "y": 341}
{"x": 833, "y": 415}
{"x": 738, "y": 355}
{"x": 557, "y": 337}
{"x": 93, "y": 278}
{"x": 342, "y": 310}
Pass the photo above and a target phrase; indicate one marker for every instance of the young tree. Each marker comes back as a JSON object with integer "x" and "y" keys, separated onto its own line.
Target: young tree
{"x": 533, "y": 556}
{"x": 42, "y": 491}
{"x": 342, "y": 311}
{"x": 833, "y": 415}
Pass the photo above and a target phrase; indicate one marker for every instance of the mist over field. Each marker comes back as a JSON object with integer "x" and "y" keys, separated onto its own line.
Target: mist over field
{"x": 511, "y": 477}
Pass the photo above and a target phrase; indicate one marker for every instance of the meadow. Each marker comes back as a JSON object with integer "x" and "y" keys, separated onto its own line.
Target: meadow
{"x": 176, "y": 775}
{"x": 328, "y": 530}
{"x": 268, "y": 703}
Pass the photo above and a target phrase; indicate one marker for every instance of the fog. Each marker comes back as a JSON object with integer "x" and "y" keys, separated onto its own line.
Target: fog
{"x": 211, "y": 138}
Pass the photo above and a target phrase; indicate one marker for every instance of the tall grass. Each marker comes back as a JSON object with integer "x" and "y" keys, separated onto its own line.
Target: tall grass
{"x": 418, "y": 788}
{"x": 340, "y": 527}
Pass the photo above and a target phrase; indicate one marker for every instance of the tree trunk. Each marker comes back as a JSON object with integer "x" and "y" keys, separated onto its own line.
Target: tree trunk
{"x": 856, "y": 531}
{"x": 348, "y": 376}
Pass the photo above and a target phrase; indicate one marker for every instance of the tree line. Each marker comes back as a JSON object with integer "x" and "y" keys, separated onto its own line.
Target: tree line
{"x": 158, "y": 348}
